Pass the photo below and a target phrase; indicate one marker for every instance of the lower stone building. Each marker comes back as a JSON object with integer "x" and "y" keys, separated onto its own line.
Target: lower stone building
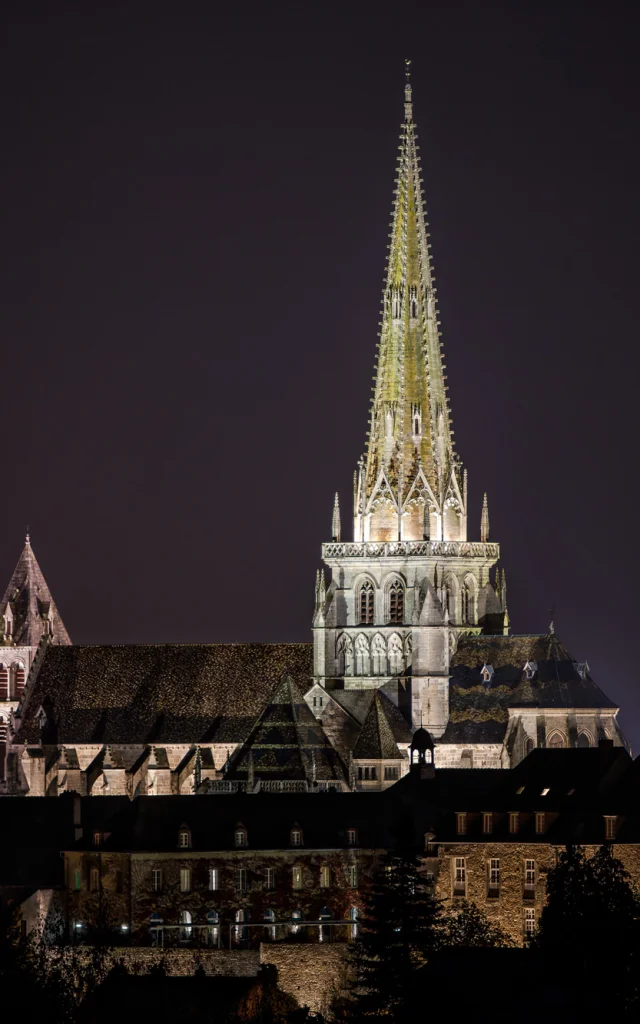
{"x": 236, "y": 869}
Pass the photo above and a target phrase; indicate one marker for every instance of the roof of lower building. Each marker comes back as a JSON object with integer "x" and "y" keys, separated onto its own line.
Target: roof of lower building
{"x": 376, "y": 739}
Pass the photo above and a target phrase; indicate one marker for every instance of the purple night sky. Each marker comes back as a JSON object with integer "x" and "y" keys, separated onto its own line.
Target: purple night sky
{"x": 194, "y": 220}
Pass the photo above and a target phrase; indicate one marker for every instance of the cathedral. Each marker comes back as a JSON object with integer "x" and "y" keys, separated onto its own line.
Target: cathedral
{"x": 410, "y": 634}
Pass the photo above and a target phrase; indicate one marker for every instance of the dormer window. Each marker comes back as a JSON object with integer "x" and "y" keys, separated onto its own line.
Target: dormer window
{"x": 97, "y": 838}
{"x": 296, "y": 837}
{"x": 610, "y": 823}
{"x": 530, "y": 669}
{"x": 487, "y": 673}
{"x": 352, "y": 837}
{"x": 184, "y": 838}
{"x": 241, "y": 837}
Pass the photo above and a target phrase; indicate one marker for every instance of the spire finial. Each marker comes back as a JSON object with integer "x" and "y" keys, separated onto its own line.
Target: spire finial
{"x": 484, "y": 520}
{"x": 27, "y": 539}
{"x": 335, "y": 521}
{"x": 408, "y": 106}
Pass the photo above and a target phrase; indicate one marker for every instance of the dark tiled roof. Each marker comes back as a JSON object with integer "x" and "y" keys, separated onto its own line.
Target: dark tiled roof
{"x": 31, "y": 603}
{"x": 358, "y": 704}
{"x": 376, "y": 738}
{"x": 287, "y": 743}
{"x": 166, "y": 693}
{"x": 479, "y": 708}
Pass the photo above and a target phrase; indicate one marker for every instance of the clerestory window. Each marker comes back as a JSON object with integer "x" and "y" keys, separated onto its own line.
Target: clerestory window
{"x": 366, "y": 603}
{"x": 396, "y": 602}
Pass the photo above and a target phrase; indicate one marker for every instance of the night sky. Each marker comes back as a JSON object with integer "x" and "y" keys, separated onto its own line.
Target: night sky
{"x": 194, "y": 219}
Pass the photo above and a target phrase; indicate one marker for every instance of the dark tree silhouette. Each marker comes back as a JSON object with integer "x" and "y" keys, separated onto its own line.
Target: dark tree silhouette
{"x": 470, "y": 928}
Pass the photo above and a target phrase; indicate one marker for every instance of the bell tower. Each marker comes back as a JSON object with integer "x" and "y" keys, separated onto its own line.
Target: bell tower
{"x": 410, "y": 582}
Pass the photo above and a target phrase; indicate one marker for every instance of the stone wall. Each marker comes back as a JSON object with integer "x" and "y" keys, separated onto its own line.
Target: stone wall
{"x": 311, "y": 973}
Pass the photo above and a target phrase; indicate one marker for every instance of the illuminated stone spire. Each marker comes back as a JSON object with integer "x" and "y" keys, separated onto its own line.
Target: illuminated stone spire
{"x": 335, "y": 521}
{"x": 410, "y": 459}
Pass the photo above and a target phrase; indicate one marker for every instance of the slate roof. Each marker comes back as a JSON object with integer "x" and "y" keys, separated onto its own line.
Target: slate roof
{"x": 358, "y": 704}
{"x": 376, "y": 738}
{"x": 479, "y": 710}
{"x": 165, "y": 693}
{"x": 32, "y": 603}
{"x": 287, "y": 743}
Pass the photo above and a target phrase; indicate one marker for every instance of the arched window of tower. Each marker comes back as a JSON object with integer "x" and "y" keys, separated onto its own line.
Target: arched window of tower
{"x": 366, "y": 598}
{"x": 396, "y": 602}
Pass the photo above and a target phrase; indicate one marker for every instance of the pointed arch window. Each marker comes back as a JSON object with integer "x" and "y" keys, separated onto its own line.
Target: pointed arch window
{"x": 396, "y": 602}
{"x": 345, "y": 655}
{"x": 556, "y": 740}
{"x": 366, "y": 603}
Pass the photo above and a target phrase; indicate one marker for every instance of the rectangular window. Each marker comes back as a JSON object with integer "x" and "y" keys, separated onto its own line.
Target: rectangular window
{"x": 296, "y": 877}
{"x": 156, "y": 879}
{"x": 241, "y": 837}
{"x": 540, "y": 822}
{"x": 514, "y": 822}
{"x": 214, "y": 879}
{"x": 494, "y": 876}
{"x": 352, "y": 837}
{"x": 77, "y": 880}
{"x": 487, "y": 822}
{"x": 610, "y": 827}
{"x": 296, "y": 838}
{"x": 529, "y": 920}
{"x": 94, "y": 880}
{"x": 461, "y": 822}
{"x": 460, "y": 876}
{"x": 241, "y": 879}
{"x": 529, "y": 875}
{"x": 269, "y": 878}
{"x": 325, "y": 876}
{"x": 185, "y": 879}
{"x": 352, "y": 876}
{"x": 369, "y": 773}
{"x": 391, "y": 772}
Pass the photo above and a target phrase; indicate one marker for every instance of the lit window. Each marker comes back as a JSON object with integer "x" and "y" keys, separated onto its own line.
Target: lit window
{"x": 540, "y": 821}
{"x": 494, "y": 874}
{"x": 460, "y": 876}
{"x": 94, "y": 880}
{"x": 269, "y": 878}
{"x": 353, "y": 917}
{"x": 519, "y": 790}
{"x": 545, "y": 791}
{"x": 296, "y": 837}
{"x": 270, "y": 917}
{"x": 529, "y": 920}
{"x": 325, "y": 876}
{"x": 240, "y": 930}
{"x": 241, "y": 879}
{"x": 185, "y": 879}
{"x": 461, "y": 822}
{"x": 514, "y": 822}
{"x": 156, "y": 879}
{"x": 396, "y": 602}
{"x": 241, "y": 837}
{"x": 296, "y": 877}
{"x": 391, "y": 772}
{"x": 352, "y": 876}
{"x": 487, "y": 822}
{"x": 352, "y": 837}
{"x": 610, "y": 827}
{"x": 97, "y": 838}
{"x": 214, "y": 879}
{"x": 529, "y": 875}
{"x": 184, "y": 838}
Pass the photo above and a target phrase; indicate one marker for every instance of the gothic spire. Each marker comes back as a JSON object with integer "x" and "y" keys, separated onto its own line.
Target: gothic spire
{"x": 410, "y": 456}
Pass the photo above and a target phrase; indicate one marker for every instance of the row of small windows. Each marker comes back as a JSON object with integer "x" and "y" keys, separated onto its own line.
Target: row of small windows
{"x": 369, "y": 773}
{"x": 267, "y": 878}
{"x": 516, "y": 820}
{"x": 494, "y": 877}
{"x": 241, "y": 837}
{"x": 396, "y": 302}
